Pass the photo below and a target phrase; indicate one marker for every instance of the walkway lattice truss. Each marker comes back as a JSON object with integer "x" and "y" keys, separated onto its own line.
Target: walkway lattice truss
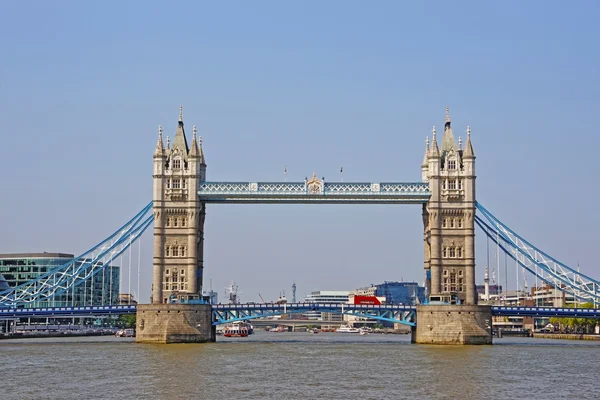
{"x": 537, "y": 262}
{"x": 82, "y": 268}
{"x": 227, "y": 313}
{"x": 314, "y": 191}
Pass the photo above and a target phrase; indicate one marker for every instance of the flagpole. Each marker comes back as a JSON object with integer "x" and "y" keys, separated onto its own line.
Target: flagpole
{"x": 342, "y": 173}
{"x": 285, "y": 173}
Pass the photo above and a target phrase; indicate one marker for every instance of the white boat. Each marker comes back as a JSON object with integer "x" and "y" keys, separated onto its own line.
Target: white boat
{"x": 347, "y": 329}
{"x": 364, "y": 331}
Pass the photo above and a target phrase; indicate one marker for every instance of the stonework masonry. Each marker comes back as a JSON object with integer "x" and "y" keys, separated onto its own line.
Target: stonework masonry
{"x": 179, "y": 169}
{"x": 449, "y": 217}
{"x": 453, "y": 324}
{"x": 174, "y": 323}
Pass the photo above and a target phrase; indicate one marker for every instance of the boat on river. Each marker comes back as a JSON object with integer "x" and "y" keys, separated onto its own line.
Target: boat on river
{"x": 236, "y": 330}
{"x": 347, "y": 329}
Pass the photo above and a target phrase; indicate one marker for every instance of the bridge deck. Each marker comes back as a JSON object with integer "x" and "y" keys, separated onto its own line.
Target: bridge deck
{"x": 257, "y": 310}
{"x": 313, "y": 191}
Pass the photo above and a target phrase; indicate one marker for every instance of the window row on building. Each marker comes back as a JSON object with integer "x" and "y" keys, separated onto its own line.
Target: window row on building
{"x": 452, "y": 223}
{"x": 176, "y": 222}
{"x": 452, "y": 252}
{"x": 452, "y": 184}
{"x": 175, "y": 279}
{"x": 175, "y": 251}
{"x": 176, "y": 183}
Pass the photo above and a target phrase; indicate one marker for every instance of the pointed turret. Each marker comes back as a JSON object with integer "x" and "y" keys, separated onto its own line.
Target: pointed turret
{"x": 426, "y": 157}
{"x": 160, "y": 148}
{"x": 468, "y": 152}
{"x": 448, "y": 142}
{"x": 194, "y": 151}
{"x": 202, "y": 160}
{"x": 435, "y": 150}
{"x": 180, "y": 141}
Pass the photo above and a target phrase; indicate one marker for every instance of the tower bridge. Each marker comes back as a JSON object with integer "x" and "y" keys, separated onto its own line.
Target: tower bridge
{"x": 181, "y": 192}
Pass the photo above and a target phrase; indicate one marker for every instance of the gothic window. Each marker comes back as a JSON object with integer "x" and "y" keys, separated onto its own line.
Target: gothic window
{"x": 444, "y": 254}
{"x": 445, "y": 284}
{"x": 452, "y": 164}
{"x": 167, "y": 272}
{"x": 177, "y": 163}
{"x": 182, "y": 271}
{"x": 460, "y": 284}
{"x": 459, "y": 273}
{"x": 182, "y": 254}
{"x": 168, "y": 184}
{"x": 174, "y": 287}
{"x": 459, "y": 252}
{"x": 167, "y": 253}
{"x": 444, "y": 184}
{"x": 452, "y": 184}
{"x": 451, "y": 222}
{"x": 176, "y": 183}
{"x": 168, "y": 221}
{"x": 459, "y": 222}
{"x": 452, "y": 252}
{"x": 175, "y": 251}
{"x": 175, "y": 221}
{"x": 460, "y": 186}
{"x": 453, "y": 282}
{"x": 445, "y": 272}
{"x": 183, "y": 183}
{"x": 183, "y": 221}
{"x": 444, "y": 223}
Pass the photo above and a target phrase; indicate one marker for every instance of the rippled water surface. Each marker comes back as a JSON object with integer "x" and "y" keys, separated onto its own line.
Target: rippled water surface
{"x": 298, "y": 366}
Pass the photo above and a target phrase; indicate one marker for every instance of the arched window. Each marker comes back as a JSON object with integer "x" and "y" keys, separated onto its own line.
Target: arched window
{"x": 182, "y": 271}
{"x": 167, "y": 253}
{"x": 444, "y": 254}
{"x": 182, "y": 254}
{"x": 175, "y": 221}
{"x": 459, "y": 222}
{"x": 452, "y": 252}
{"x": 175, "y": 252}
{"x": 451, "y": 222}
{"x": 444, "y": 223}
{"x": 168, "y": 221}
{"x": 183, "y": 223}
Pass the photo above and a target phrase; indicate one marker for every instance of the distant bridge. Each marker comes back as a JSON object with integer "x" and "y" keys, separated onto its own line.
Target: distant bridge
{"x": 227, "y": 313}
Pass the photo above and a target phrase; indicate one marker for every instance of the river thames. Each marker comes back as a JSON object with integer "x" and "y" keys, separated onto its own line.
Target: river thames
{"x": 298, "y": 366}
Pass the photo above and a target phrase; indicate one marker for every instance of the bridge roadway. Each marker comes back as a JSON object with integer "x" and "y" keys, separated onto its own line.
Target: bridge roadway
{"x": 223, "y": 313}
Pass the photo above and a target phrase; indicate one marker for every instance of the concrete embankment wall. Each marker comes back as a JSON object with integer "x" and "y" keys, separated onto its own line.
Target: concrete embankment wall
{"x": 568, "y": 336}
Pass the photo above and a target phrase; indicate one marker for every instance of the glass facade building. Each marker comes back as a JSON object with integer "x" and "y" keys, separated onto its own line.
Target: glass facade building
{"x": 326, "y": 296}
{"x": 102, "y": 288}
{"x": 400, "y": 292}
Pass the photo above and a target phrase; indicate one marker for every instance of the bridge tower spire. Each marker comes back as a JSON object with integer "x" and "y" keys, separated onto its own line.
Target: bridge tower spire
{"x": 449, "y": 218}
{"x": 178, "y": 218}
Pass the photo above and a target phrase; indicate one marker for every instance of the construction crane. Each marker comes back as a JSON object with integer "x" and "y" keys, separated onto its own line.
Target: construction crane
{"x": 263, "y": 300}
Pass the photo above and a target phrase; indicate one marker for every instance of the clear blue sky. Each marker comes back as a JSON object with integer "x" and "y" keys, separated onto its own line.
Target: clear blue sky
{"x": 311, "y": 85}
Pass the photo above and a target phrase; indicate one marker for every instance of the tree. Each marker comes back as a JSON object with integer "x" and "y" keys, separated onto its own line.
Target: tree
{"x": 576, "y": 324}
{"x": 127, "y": 320}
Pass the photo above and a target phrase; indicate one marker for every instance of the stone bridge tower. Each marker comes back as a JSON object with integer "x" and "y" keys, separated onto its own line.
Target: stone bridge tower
{"x": 178, "y": 217}
{"x": 449, "y": 217}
